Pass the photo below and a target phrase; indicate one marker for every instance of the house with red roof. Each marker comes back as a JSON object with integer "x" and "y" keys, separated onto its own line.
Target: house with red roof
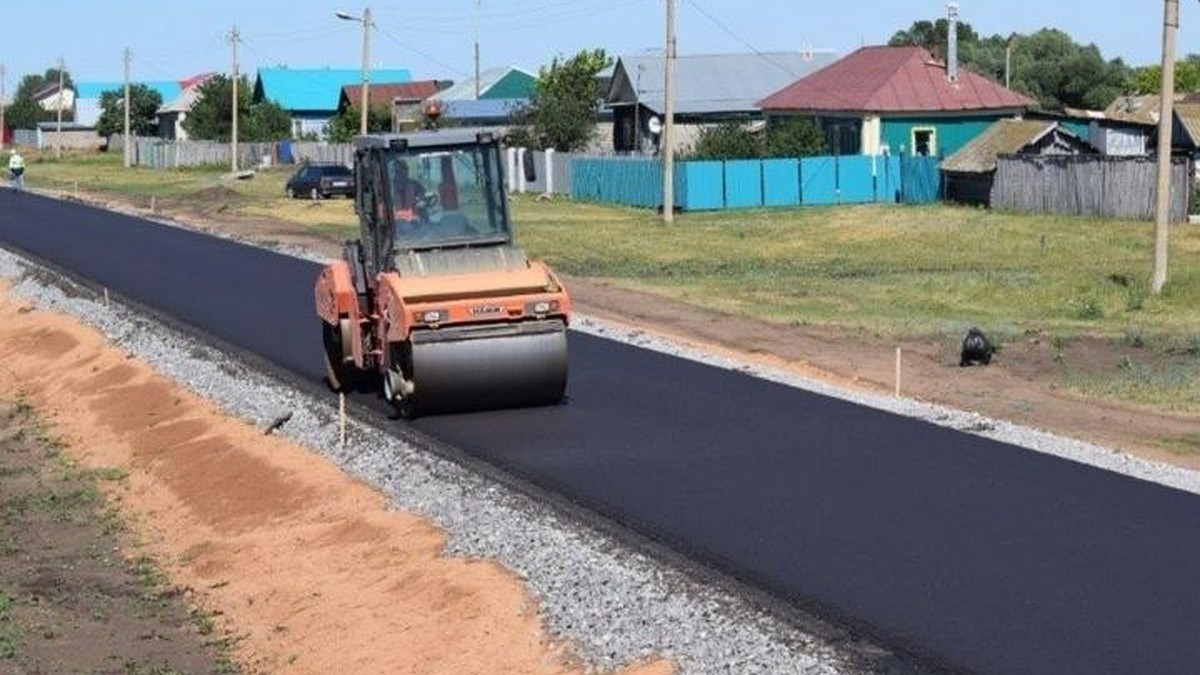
{"x": 897, "y": 100}
{"x": 403, "y": 100}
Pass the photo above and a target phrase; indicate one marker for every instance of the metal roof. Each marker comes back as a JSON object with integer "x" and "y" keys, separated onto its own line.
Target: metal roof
{"x": 492, "y": 78}
{"x": 165, "y": 88}
{"x": 383, "y": 95}
{"x": 709, "y": 83}
{"x": 316, "y": 89}
{"x": 1188, "y": 115}
{"x": 490, "y": 109}
{"x": 882, "y": 80}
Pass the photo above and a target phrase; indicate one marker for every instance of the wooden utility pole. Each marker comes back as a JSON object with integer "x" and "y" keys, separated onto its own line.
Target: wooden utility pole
{"x": 58, "y": 126}
{"x": 128, "y": 137}
{"x": 2, "y": 127}
{"x": 233, "y": 154}
{"x": 1162, "y": 211}
{"x": 668, "y": 139}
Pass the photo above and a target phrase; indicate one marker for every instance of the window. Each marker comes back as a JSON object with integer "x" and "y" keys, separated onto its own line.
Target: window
{"x": 924, "y": 141}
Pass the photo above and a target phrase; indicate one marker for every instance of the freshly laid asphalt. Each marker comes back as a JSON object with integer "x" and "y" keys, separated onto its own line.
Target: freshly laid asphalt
{"x": 967, "y": 553}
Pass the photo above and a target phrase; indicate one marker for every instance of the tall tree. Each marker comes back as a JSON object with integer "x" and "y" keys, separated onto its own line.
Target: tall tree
{"x": 25, "y": 113}
{"x": 144, "y": 103}
{"x": 563, "y": 110}
{"x": 211, "y": 118}
{"x": 1148, "y": 79}
{"x": 348, "y": 122}
{"x": 1051, "y": 68}
{"x": 933, "y": 36}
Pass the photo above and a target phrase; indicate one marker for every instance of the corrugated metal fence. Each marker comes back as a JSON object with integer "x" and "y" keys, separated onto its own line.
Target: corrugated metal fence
{"x": 1088, "y": 185}
{"x": 753, "y": 183}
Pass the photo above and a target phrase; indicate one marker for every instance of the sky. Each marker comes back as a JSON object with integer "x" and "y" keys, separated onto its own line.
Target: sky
{"x": 436, "y": 38}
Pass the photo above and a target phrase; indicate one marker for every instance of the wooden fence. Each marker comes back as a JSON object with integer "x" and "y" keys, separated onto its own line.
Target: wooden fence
{"x": 1089, "y": 185}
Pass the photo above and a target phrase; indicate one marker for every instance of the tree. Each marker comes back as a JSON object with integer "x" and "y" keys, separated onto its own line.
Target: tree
{"x": 729, "y": 140}
{"x": 348, "y": 122}
{"x": 24, "y": 112}
{"x": 211, "y": 117}
{"x": 788, "y": 137}
{"x": 934, "y": 36}
{"x": 144, "y": 103}
{"x": 1051, "y": 68}
{"x": 562, "y": 112}
{"x": 794, "y": 137}
{"x": 1148, "y": 79}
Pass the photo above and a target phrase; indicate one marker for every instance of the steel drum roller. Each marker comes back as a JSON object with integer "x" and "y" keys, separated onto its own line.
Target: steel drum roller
{"x": 513, "y": 365}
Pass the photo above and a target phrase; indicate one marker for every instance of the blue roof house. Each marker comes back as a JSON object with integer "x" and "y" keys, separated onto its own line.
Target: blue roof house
{"x": 311, "y": 95}
{"x": 87, "y": 97}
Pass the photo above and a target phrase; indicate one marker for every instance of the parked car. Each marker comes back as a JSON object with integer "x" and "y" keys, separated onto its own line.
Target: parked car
{"x": 321, "y": 181}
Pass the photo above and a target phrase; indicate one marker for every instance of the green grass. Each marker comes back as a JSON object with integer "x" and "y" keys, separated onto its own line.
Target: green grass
{"x": 891, "y": 270}
{"x": 10, "y": 634}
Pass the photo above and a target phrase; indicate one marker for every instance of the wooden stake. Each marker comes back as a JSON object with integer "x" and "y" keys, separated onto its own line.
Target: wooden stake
{"x": 897, "y": 372}
{"x": 342, "y": 419}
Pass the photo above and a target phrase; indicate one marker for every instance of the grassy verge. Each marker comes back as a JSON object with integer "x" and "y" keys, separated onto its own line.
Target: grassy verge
{"x": 875, "y": 270}
{"x": 70, "y": 602}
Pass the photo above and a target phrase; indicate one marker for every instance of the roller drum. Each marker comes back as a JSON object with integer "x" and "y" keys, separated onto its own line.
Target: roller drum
{"x": 509, "y": 365}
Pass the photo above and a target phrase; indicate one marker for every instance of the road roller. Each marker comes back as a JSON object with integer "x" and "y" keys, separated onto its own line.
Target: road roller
{"x": 434, "y": 305}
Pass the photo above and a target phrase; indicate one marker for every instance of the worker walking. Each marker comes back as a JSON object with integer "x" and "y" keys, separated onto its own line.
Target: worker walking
{"x": 16, "y": 170}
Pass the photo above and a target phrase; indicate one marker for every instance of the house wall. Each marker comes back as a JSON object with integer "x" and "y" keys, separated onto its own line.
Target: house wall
{"x": 949, "y": 133}
{"x": 310, "y": 122}
{"x": 1121, "y": 142}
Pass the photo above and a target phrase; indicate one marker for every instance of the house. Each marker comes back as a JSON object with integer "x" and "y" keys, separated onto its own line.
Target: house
{"x": 897, "y": 100}
{"x": 506, "y": 82}
{"x": 969, "y": 173}
{"x": 87, "y": 97}
{"x": 488, "y": 100}
{"x": 49, "y": 99}
{"x": 709, "y": 89}
{"x": 311, "y": 96}
{"x": 403, "y": 100}
{"x": 175, "y": 110}
{"x": 1185, "y": 133}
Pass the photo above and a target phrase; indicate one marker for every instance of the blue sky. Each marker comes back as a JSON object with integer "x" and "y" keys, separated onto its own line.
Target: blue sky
{"x": 434, "y": 38}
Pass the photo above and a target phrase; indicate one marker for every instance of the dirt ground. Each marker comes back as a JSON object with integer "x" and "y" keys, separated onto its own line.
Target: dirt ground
{"x": 303, "y": 569}
{"x": 307, "y": 571}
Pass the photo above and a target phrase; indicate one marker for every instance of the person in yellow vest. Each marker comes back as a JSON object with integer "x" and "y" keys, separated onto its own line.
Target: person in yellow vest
{"x": 16, "y": 170}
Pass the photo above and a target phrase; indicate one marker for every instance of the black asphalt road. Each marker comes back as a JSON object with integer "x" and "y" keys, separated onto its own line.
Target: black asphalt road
{"x": 972, "y": 554}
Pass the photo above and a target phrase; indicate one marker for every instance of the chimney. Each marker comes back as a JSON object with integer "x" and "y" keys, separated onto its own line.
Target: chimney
{"x": 952, "y": 43}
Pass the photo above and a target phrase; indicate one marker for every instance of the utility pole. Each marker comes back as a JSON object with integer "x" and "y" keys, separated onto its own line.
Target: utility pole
{"x": 233, "y": 154}
{"x": 366, "y": 71}
{"x": 2, "y": 127}
{"x": 58, "y": 127}
{"x": 1162, "y": 215}
{"x": 668, "y": 139}
{"x": 478, "y": 11}
{"x": 365, "y": 99}
{"x": 128, "y": 137}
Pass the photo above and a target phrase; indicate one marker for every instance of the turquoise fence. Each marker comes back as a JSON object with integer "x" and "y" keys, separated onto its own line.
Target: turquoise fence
{"x": 738, "y": 184}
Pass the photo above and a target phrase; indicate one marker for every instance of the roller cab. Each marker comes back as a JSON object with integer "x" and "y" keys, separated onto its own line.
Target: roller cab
{"x": 433, "y": 305}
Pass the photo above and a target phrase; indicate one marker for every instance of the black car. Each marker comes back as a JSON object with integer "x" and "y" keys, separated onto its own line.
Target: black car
{"x": 321, "y": 181}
